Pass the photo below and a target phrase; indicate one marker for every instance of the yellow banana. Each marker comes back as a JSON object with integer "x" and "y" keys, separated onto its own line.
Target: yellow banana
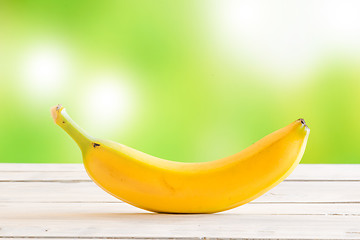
{"x": 160, "y": 185}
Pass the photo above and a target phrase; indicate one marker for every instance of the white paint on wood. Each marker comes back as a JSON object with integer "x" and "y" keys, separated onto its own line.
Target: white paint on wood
{"x": 297, "y": 192}
{"x": 43, "y": 176}
{"x": 99, "y": 210}
{"x": 41, "y": 167}
{"x": 45, "y": 172}
{"x": 57, "y": 201}
{"x": 48, "y": 171}
{"x": 191, "y": 225}
{"x": 330, "y": 172}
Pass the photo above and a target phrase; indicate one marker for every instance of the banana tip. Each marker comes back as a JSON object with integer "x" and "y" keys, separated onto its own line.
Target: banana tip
{"x": 303, "y": 122}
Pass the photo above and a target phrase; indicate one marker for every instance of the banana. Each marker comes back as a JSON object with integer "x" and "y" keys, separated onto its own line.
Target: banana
{"x": 165, "y": 186}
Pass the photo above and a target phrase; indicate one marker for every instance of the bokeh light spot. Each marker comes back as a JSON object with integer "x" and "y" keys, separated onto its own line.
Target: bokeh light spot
{"x": 285, "y": 39}
{"x": 107, "y": 103}
{"x": 44, "y": 69}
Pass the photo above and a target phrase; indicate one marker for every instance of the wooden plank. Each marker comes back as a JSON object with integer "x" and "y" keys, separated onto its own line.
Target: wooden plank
{"x": 41, "y": 167}
{"x": 292, "y": 192}
{"x": 148, "y": 225}
{"x": 43, "y": 176}
{"x": 68, "y": 172}
{"x": 92, "y": 238}
{"x": 326, "y": 172}
{"x": 82, "y": 238}
{"x": 321, "y": 202}
{"x": 64, "y": 211}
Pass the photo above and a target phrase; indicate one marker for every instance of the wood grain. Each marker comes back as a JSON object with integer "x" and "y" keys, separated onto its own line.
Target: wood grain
{"x": 59, "y": 201}
{"x": 168, "y": 226}
{"x": 54, "y": 172}
{"x": 285, "y": 192}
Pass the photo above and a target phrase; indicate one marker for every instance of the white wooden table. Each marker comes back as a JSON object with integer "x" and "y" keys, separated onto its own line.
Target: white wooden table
{"x": 59, "y": 201}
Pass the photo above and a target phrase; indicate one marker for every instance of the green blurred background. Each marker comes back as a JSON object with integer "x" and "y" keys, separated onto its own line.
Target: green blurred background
{"x": 182, "y": 80}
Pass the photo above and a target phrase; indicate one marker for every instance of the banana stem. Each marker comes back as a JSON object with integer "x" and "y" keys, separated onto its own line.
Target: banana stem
{"x": 62, "y": 119}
